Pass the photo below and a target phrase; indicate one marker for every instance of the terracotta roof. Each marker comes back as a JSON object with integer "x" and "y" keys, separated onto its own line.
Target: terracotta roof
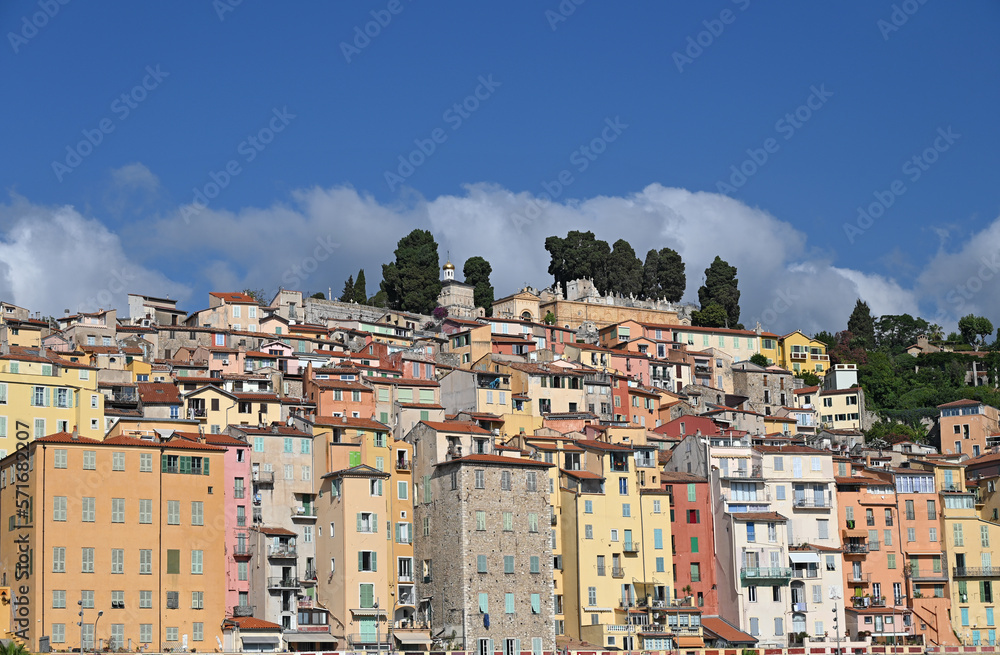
{"x": 805, "y": 390}
{"x": 460, "y": 427}
{"x": 235, "y": 297}
{"x": 351, "y": 422}
{"x": 66, "y": 437}
{"x": 273, "y": 531}
{"x": 497, "y": 459}
{"x": 593, "y": 444}
{"x": 283, "y": 430}
{"x": 961, "y": 403}
{"x": 839, "y": 392}
{"x": 159, "y": 393}
{"x": 691, "y": 328}
{"x": 582, "y": 475}
{"x": 420, "y": 406}
{"x": 667, "y": 477}
{"x": 791, "y": 448}
{"x": 725, "y": 630}
{"x": 257, "y": 353}
{"x": 353, "y": 385}
{"x": 758, "y": 516}
{"x": 253, "y": 623}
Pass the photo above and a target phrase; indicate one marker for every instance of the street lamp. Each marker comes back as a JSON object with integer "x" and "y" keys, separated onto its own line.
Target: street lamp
{"x": 99, "y": 615}
{"x": 836, "y": 629}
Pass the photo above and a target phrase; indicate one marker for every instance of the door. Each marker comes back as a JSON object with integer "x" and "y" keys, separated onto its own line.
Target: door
{"x": 800, "y": 494}
{"x": 368, "y": 630}
{"x": 855, "y": 570}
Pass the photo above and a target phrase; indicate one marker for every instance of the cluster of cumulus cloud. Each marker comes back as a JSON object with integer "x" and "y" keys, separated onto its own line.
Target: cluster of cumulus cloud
{"x": 54, "y": 258}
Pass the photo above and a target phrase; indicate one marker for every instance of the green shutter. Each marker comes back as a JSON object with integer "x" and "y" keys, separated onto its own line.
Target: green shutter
{"x": 359, "y": 523}
{"x": 163, "y": 463}
{"x": 355, "y": 458}
{"x": 204, "y": 464}
{"x": 484, "y": 603}
{"x": 536, "y": 603}
{"x": 185, "y": 464}
{"x": 367, "y": 595}
{"x": 48, "y": 397}
{"x": 69, "y": 397}
{"x": 173, "y": 561}
{"x": 361, "y": 559}
{"x": 374, "y": 522}
{"x": 374, "y": 561}
{"x": 398, "y": 533}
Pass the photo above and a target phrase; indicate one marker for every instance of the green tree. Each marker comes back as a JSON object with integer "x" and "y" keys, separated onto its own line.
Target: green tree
{"x": 975, "y": 329}
{"x": 477, "y": 273}
{"x": 721, "y": 287}
{"x": 360, "y": 293}
{"x": 827, "y": 338}
{"x": 319, "y": 295}
{"x": 578, "y": 255}
{"x": 810, "y": 378}
{"x": 712, "y": 315}
{"x": 894, "y": 332}
{"x": 862, "y": 325}
{"x": 411, "y": 282}
{"x": 260, "y": 295}
{"x": 624, "y": 270}
{"x": 663, "y": 275}
{"x": 759, "y": 360}
{"x": 348, "y": 293}
{"x": 380, "y": 299}
{"x": 550, "y": 318}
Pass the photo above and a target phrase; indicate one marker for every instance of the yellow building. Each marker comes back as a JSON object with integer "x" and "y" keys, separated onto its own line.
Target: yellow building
{"x": 141, "y": 371}
{"x": 40, "y": 395}
{"x": 216, "y": 408}
{"x": 769, "y": 347}
{"x": 799, "y": 353}
{"x": 616, "y": 562}
{"x": 121, "y": 529}
{"x": 26, "y": 333}
{"x": 841, "y": 409}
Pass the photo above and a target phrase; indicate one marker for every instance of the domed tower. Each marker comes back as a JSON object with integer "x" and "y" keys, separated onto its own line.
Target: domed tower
{"x": 449, "y": 272}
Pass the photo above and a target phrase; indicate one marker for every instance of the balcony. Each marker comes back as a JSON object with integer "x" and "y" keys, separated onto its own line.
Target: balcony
{"x": 855, "y": 549}
{"x": 743, "y": 474}
{"x": 799, "y": 357}
{"x": 628, "y": 602}
{"x": 282, "y": 583}
{"x": 862, "y": 603}
{"x": 305, "y": 513}
{"x": 310, "y": 577}
{"x": 617, "y": 572}
{"x": 855, "y": 577}
{"x": 976, "y": 572}
{"x": 264, "y": 478}
{"x": 242, "y": 550}
{"x": 800, "y": 607}
{"x": 197, "y": 412}
{"x": 811, "y": 503}
{"x": 404, "y": 577}
{"x": 918, "y": 575}
{"x": 776, "y": 576}
{"x": 402, "y": 465}
{"x": 601, "y": 570}
{"x": 282, "y": 550}
{"x": 630, "y": 547}
{"x": 805, "y": 573}
{"x": 243, "y": 610}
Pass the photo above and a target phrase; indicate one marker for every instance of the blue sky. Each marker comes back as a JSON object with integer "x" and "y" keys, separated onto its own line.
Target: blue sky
{"x": 696, "y": 90}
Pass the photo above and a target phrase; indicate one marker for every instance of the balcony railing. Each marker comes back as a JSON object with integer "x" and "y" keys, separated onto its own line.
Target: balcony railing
{"x": 799, "y": 607}
{"x": 404, "y": 577}
{"x": 242, "y": 550}
{"x": 855, "y": 549}
{"x": 283, "y": 550}
{"x": 780, "y": 574}
{"x": 976, "y": 571}
{"x": 925, "y": 575}
{"x": 617, "y": 572}
{"x": 811, "y": 503}
{"x": 601, "y": 570}
{"x": 854, "y": 577}
{"x": 303, "y": 512}
{"x": 630, "y": 547}
{"x": 402, "y": 465}
{"x": 806, "y": 573}
{"x": 264, "y": 478}
{"x": 743, "y": 474}
{"x": 197, "y": 412}
{"x": 628, "y": 602}
{"x": 282, "y": 583}
{"x": 859, "y": 602}
{"x": 243, "y": 610}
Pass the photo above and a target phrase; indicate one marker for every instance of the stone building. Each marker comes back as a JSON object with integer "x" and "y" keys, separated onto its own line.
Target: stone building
{"x": 458, "y": 297}
{"x": 484, "y": 557}
{"x": 767, "y": 389}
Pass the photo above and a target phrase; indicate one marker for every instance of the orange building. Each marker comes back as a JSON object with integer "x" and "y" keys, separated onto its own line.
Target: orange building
{"x": 965, "y": 426}
{"x": 123, "y": 529}
{"x": 338, "y": 392}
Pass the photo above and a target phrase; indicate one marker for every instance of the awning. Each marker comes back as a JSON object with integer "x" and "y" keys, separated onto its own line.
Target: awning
{"x": 411, "y": 638}
{"x": 259, "y": 639}
{"x": 371, "y": 611}
{"x": 689, "y": 642}
{"x": 804, "y": 558}
{"x": 318, "y": 637}
{"x": 856, "y": 534}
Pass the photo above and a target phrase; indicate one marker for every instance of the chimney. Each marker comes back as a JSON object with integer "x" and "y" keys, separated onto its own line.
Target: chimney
{"x": 75, "y": 435}
{"x": 343, "y": 419}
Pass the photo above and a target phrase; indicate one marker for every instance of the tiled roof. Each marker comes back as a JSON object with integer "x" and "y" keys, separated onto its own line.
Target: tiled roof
{"x": 351, "y": 422}
{"x": 498, "y": 459}
{"x": 593, "y": 444}
{"x": 961, "y": 403}
{"x": 758, "y": 516}
{"x": 66, "y": 437}
{"x": 791, "y": 448}
{"x": 582, "y": 475}
{"x": 253, "y": 623}
{"x": 283, "y": 430}
{"x": 725, "y": 630}
{"x": 460, "y": 427}
{"x": 159, "y": 393}
{"x": 273, "y": 531}
{"x": 235, "y": 297}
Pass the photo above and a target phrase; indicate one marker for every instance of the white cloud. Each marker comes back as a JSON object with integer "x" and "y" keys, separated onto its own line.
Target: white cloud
{"x": 57, "y": 259}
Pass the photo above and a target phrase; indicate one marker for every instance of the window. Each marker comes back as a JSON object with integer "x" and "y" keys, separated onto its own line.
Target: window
{"x": 146, "y": 463}
{"x": 198, "y": 627}
{"x": 751, "y": 532}
{"x": 367, "y": 560}
{"x": 508, "y": 521}
{"x": 117, "y": 510}
{"x": 695, "y": 572}
{"x": 480, "y": 479}
{"x": 484, "y": 603}
{"x": 172, "y": 632}
{"x": 173, "y": 561}
{"x": 197, "y": 600}
{"x": 588, "y": 507}
{"x": 59, "y": 458}
{"x": 145, "y": 562}
{"x": 146, "y": 633}
{"x": 614, "y": 534}
{"x": 197, "y": 560}
{"x": 509, "y": 603}
{"x": 481, "y": 564}
{"x": 752, "y": 594}
{"x": 932, "y": 534}
{"x": 88, "y": 505}
{"x": 957, "y": 535}
{"x": 90, "y": 460}
{"x": 694, "y": 516}
{"x": 505, "y": 481}
{"x": 623, "y": 486}
{"x": 984, "y": 536}
{"x": 534, "y": 564}
{"x": 588, "y": 531}
{"x": 87, "y": 558}
{"x": 59, "y": 508}
{"x": 779, "y": 626}
{"x": 118, "y": 599}
{"x": 910, "y": 513}
{"x": 888, "y": 516}
{"x": 58, "y": 599}
{"x": 626, "y": 510}
{"x": 481, "y": 519}
{"x": 887, "y": 537}
{"x": 118, "y": 560}
{"x": 508, "y": 563}
{"x": 146, "y": 600}
{"x": 173, "y": 512}
{"x": 118, "y": 462}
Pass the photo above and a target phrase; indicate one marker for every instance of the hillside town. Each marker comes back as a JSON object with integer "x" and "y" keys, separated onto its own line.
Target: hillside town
{"x": 561, "y": 470}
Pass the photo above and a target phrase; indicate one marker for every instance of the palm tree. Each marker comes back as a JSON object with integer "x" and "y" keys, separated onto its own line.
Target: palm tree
{"x": 13, "y": 648}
